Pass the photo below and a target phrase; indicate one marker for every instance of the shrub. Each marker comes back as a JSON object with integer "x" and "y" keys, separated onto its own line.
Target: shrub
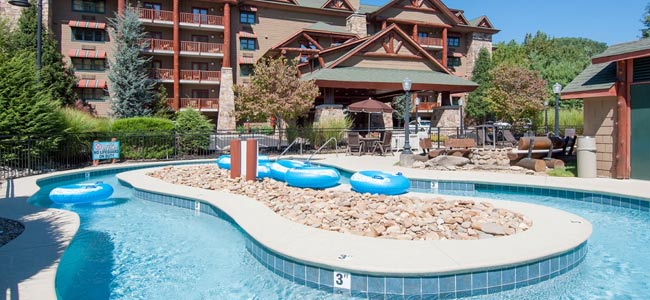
{"x": 81, "y": 129}
{"x": 328, "y": 128}
{"x": 568, "y": 117}
{"x": 195, "y": 130}
{"x": 144, "y": 137}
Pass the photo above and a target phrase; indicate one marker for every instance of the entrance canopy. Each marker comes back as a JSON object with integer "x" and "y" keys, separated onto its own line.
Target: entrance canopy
{"x": 370, "y": 106}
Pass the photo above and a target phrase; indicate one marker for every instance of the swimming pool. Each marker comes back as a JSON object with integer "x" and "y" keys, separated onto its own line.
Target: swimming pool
{"x": 134, "y": 249}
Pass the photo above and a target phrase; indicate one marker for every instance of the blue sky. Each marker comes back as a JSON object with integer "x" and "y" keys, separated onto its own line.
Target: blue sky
{"x": 609, "y": 21}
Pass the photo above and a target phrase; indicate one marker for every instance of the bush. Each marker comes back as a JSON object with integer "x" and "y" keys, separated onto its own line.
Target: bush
{"x": 329, "y": 128}
{"x": 195, "y": 130}
{"x": 81, "y": 129}
{"x": 144, "y": 137}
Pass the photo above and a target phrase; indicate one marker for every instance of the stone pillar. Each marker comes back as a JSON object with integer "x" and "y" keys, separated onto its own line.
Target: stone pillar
{"x": 476, "y": 41}
{"x": 226, "y": 36}
{"x": 328, "y": 111}
{"x": 356, "y": 23}
{"x": 226, "y": 120}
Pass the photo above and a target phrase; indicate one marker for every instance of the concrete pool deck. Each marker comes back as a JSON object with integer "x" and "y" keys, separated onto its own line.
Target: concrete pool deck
{"x": 40, "y": 284}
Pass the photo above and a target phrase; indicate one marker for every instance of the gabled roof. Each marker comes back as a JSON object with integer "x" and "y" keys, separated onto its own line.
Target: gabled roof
{"x": 481, "y": 21}
{"x": 318, "y": 27}
{"x": 596, "y": 77}
{"x": 436, "y": 3}
{"x": 377, "y": 36}
{"x": 460, "y": 14}
{"x": 339, "y": 5}
{"x": 324, "y": 27}
{"x": 629, "y": 50}
{"x": 368, "y": 9}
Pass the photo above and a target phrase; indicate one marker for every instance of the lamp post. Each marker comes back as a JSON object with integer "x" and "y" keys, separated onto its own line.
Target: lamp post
{"x": 417, "y": 118}
{"x": 545, "y": 116}
{"x": 557, "y": 88}
{"x": 460, "y": 110}
{"x": 39, "y": 27}
{"x": 406, "y": 85}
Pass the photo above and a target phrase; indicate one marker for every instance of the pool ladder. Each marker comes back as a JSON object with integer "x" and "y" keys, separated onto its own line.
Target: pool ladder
{"x": 336, "y": 148}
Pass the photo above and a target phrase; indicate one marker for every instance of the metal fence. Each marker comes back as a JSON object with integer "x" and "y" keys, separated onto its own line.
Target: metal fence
{"x": 24, "y": 155}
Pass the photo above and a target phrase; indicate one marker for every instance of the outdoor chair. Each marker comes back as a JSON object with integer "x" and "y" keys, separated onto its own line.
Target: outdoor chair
{"x": 385, "y": 144}
{"x": 509, "y": 138}
{"x": 354, "y": 144}
{"x": 484, "y": 137}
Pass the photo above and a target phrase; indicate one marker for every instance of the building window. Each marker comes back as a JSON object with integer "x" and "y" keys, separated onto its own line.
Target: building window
{"x": 246, "y": 44}
{"x": 247, "y": 17}
{"x": 88, "y": 64}
{"x": 88, "y": 34}
{"x": 453, "y": 61}
{"x": 423, "y": 34}
{"x": 89, "y": 6}
{"x": 245, "y": 70}
{"x": 201, "y": 94}
{"x": 453, "y": 41}
{"x": 93, "y": 94}
{"x": 154, "y": 6}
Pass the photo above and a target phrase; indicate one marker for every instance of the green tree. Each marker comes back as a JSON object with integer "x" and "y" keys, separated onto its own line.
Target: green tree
{"x": 275, "y": 90}
{"x": 194, "y": 130}
{"x": 55, "y": 74}
{"x": 161, "y": 108}
{"x": 132, "y": 91}
{"x": 399, "y": 107}
{"x": 516, "y": 92}
{"x": 476, "y": 108}
{"x": 645, "y": 20}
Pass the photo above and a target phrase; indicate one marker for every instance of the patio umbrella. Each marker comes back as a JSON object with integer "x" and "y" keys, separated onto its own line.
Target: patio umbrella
{"x": 370, "y": 106}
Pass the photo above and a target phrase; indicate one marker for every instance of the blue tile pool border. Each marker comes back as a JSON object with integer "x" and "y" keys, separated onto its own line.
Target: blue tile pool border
{"x": 444, "y": 286}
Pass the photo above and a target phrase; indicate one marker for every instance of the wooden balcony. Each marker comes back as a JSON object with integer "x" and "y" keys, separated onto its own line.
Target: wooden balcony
{"x": 426, "y": 106}
{"x": 159, "y": 46}
{"x": 196, "y": 76}
{"x": 432, "y": 42}
{"x": 201, "y": 49}
{"x": 154, "y": 16}
{"x": 191, "y": 20}
{"x": 164, "y": 75}
{"x": 201, "y": 104}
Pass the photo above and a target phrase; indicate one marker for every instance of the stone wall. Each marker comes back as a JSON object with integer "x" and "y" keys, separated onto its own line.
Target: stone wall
{"x": 12, "y": 13}
{"x": 490, "y": 157}
{"x": 356, "y": 23}
{"x": 600, "y": 115}
{"x": 328, "y": 111}
{"x": 445, "y": 117}
{"x": 476, "y": 42}
{"x": 226, "y": 119}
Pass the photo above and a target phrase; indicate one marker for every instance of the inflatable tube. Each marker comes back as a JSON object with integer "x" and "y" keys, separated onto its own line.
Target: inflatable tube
{"x": 378, "y": 182}
{"x": 81, "y": 193}
{"x": 224, "y": 161}
{"x": 279, "y": 168}
{"x": 264, "y": 170}
{"x": 314, "y": 177}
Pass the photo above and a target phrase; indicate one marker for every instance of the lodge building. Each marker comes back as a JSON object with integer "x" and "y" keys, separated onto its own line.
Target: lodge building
{"x": 199, "y": 49}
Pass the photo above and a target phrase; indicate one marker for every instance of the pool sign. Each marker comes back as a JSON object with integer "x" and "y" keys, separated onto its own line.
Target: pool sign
{"x": 106, "y": 150}
{"x": 342, "y": 280}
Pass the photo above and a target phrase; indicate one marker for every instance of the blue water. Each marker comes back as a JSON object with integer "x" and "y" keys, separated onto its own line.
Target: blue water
{"x": 128, "y": 248}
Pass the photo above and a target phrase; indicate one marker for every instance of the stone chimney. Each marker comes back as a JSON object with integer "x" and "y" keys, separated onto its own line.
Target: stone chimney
{"x": 356, "y": 23}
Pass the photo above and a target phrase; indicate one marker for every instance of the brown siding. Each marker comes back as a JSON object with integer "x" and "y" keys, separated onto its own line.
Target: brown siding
{"x": 599, "y": 118}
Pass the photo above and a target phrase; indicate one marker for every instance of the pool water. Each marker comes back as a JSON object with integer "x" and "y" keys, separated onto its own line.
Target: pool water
{"x": 128, "y": 248}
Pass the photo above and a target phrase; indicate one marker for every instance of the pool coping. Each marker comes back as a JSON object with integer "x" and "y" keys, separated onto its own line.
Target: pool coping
{"x": 553, "y": 232}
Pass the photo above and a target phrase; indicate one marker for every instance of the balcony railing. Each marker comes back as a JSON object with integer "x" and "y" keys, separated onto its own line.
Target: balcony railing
{"x": 162, "y": 74}
{"x": 430, "y": 41}
{"x": 201, "y": 47}
{"x": 200, "y": 19}
{"x": 157, "y": 44}
{"x": 197, "y": 103}
{"x": 156, "y": 15}
{"x": 424, "y": 106}
{"x": 199, "y": 76}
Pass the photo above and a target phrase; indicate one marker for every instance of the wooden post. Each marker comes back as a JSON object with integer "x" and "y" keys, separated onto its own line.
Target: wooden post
{"x": 226, "y": 35}
{"x": 235, "y": 158}
{"x": 177, "y": 48}
{"x": 623, "y": 124}
{"x": 251, "y": 159}
{"x": 121, "y": 4}
{"x": 537, "y": 165}
{"x": 444, "y": 47}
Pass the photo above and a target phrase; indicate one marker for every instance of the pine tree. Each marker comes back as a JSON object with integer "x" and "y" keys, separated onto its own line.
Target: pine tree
{"x": 55, "y": 74}
{"x": 133, "y": 93}
{"x": 645, "y": 31}
{"x": 477, "y": 108}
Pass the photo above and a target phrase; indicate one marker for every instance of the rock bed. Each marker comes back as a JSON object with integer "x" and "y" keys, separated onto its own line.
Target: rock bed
{"x": 393, "y": 217}
{"x": 9, "y": 230}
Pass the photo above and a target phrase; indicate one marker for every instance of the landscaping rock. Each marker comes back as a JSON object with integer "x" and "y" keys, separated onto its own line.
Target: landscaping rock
{"x": 448, "y": 161}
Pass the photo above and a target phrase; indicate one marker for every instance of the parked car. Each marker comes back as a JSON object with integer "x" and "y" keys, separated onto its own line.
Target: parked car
{"x": 424, "y": 125}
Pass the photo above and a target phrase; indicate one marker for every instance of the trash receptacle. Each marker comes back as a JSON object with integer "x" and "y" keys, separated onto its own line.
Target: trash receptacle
{"x": 587, "y": 157}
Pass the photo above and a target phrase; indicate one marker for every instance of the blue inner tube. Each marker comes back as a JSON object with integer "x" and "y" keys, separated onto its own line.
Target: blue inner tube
{"x": 378, "y": 182}
{"x": 224, "y": 161}
{"x": 315, "y": 177}
{"x": 279, "y": 168}
{"x": 81, "y": 193}
{"x": 264, "y": 170}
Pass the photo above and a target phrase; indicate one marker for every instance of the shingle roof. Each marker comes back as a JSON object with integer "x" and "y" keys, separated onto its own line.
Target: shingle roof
{"x": 474, "y": 22}
{"x": 367, "y": 9}
{"x": 311, "y": 3}
{"x": 378, "y": 75}
{"x": 642, "y": 44}
{"x": 320, "y": 26}
{"x": 594, "y": 77}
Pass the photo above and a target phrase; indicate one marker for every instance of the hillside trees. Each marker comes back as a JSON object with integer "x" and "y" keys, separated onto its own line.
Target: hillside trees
{"x": 515, "y": 92}
{"x": 476, "y": 107}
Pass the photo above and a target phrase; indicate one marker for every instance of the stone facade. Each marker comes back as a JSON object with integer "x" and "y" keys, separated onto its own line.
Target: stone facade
{"x": 476, "y": 42}
{"x": 12, "y": 13}
{"x": 328, "y": 111}
{"x": 490, "y": 157}
{"x": 356, "y": 23}
{"x": 445, "y": 117}
{"x": 226, "y": 120}
{"x": 600, "y": 116}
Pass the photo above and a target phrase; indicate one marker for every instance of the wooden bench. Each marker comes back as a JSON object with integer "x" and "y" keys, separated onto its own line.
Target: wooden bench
{"x": 459, "y": 147}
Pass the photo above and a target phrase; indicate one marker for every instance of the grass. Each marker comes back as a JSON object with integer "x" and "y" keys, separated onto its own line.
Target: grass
{"x": 568, "y": 117}
{"x": 570, "y": 170}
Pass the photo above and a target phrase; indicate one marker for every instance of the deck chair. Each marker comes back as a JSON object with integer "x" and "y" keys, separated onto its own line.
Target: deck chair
{"x": 385, "y": 144}
{"x": 354, "y": 144}
{"x": 509, "y": 138}
{"x": 483, "y": 137}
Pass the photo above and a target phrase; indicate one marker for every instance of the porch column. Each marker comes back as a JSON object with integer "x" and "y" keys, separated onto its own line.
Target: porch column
{"x": 176, "y": 103}
{"x": 383, "y": 24}
{"x": 415, "y": 32}
{"x": 226, "y": 35}
{"x": 444, "y": 47}
{"x": 121, "y": 4}
{"x": 624, "y": 74}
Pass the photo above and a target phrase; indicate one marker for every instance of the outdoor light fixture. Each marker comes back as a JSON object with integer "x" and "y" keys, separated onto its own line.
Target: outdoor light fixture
{"x": 545, "y": 116}
{"x": 39, "y": 26}
{"x": 557, "y": 88}
{"x": 460, "y": 109}
{"x": 417, "y": 118}
{"x": 406, "y": 85}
